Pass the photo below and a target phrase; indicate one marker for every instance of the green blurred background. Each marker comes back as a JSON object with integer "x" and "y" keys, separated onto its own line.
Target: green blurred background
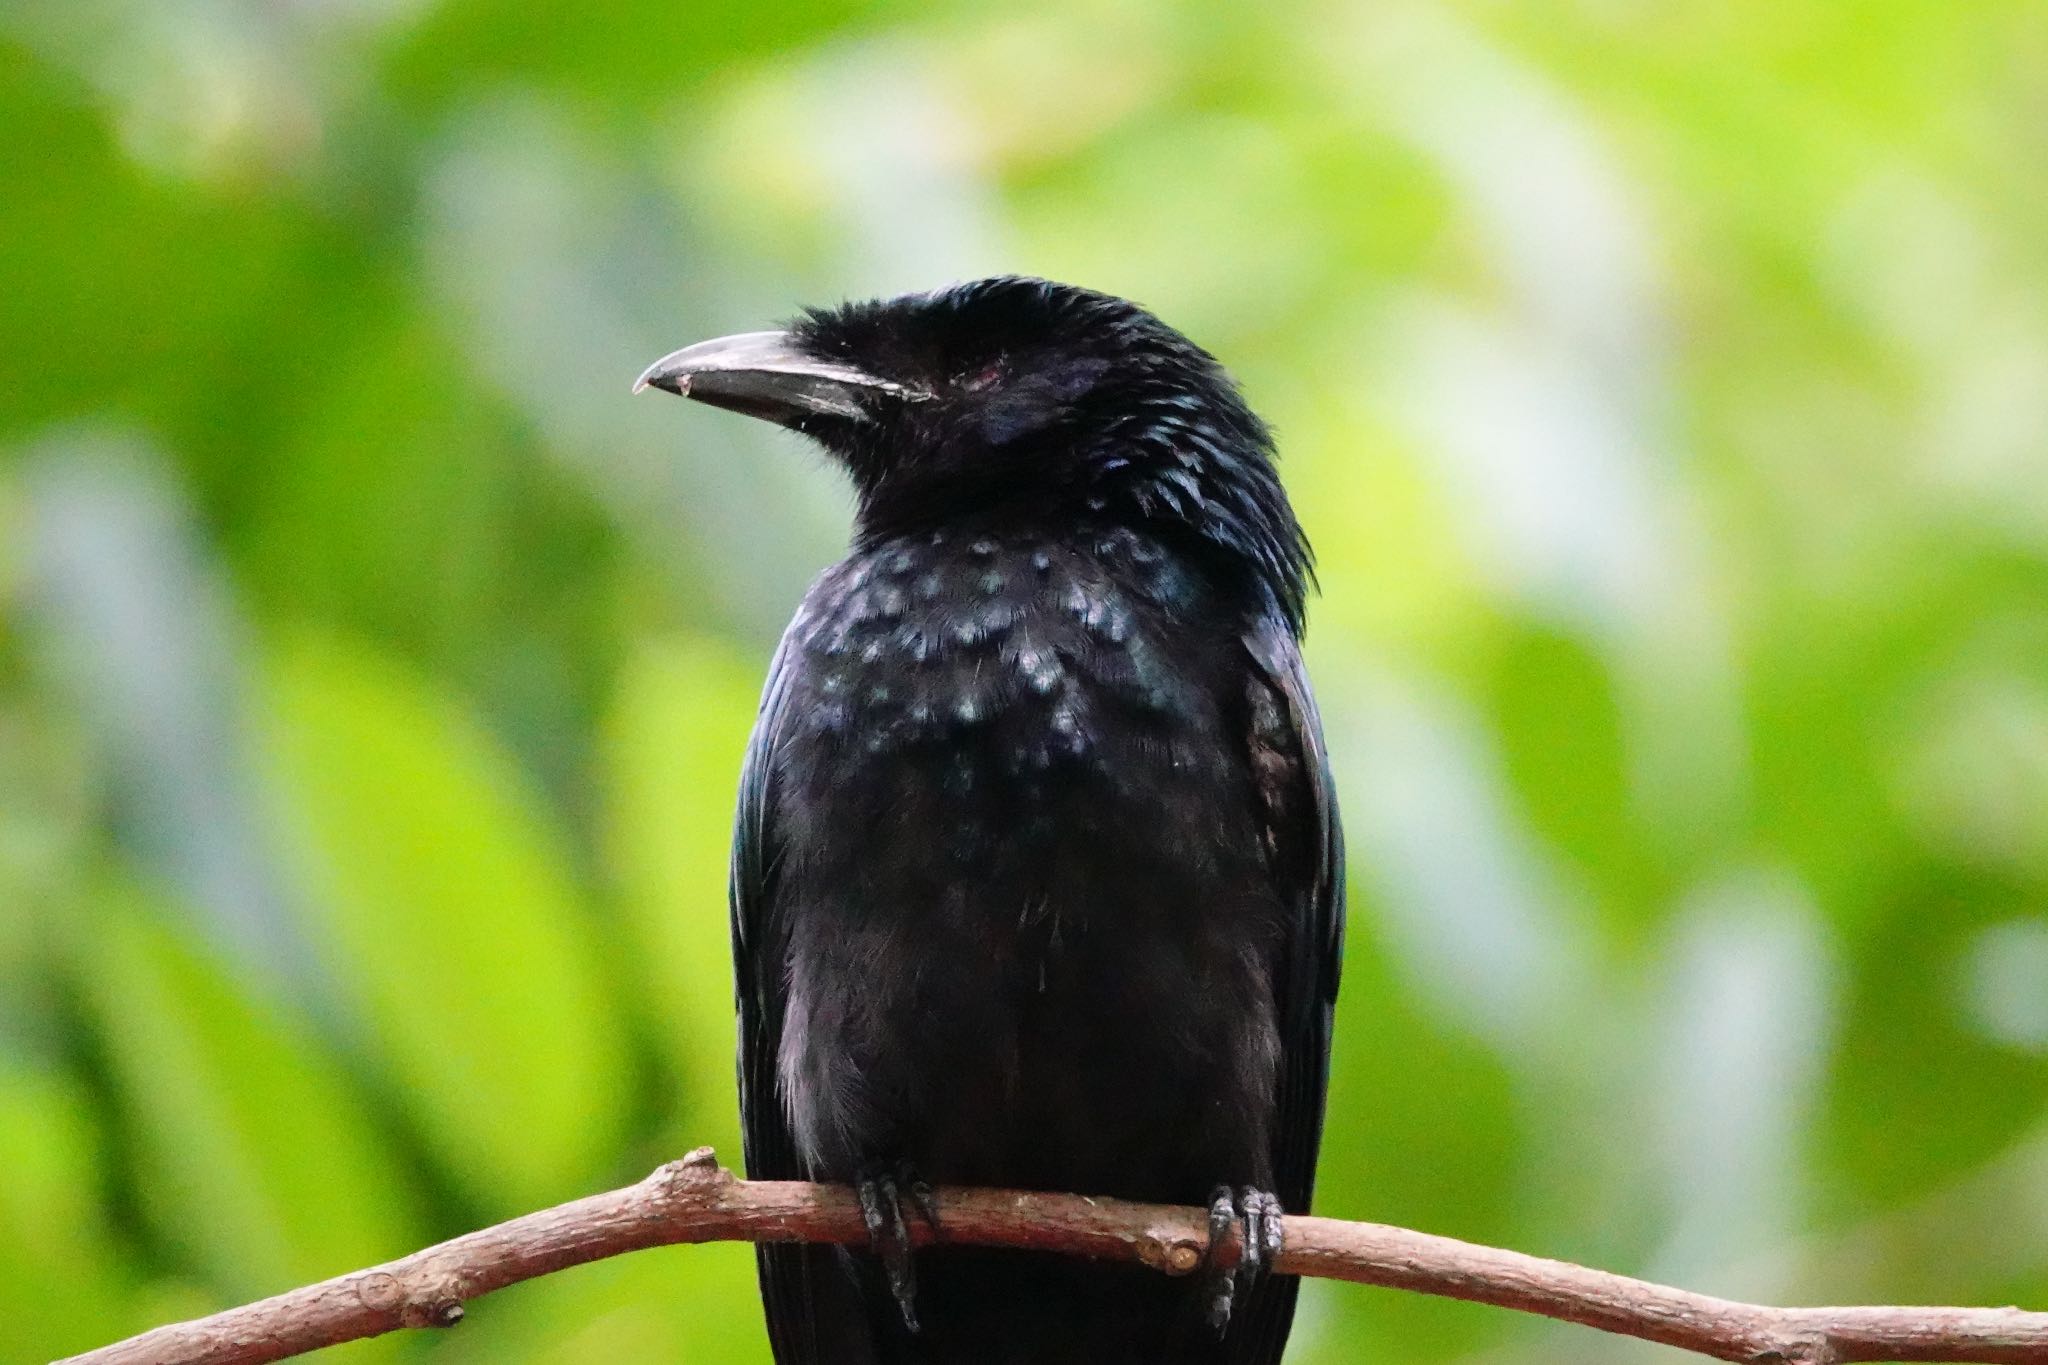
{"x": 1663, "y": 386}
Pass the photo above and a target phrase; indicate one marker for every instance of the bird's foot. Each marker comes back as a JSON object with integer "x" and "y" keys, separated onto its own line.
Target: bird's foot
{"x": 883, "y": 1195}
{"x": 1258, "y": 1214}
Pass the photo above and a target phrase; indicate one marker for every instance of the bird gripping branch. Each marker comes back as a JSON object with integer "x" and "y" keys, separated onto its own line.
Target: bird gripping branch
{"x": 1037, "y": 880}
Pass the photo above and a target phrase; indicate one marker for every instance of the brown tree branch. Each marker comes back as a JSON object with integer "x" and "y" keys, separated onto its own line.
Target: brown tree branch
{"x": 694, "y": 1200}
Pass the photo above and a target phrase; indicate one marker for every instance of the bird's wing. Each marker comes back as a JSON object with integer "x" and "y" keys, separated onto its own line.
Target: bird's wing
{"x": 1298, "y": 810}
{"x": 1299, "y": 807}
{"x": 758, "y": 936}
{"x": 813, "y": 1315}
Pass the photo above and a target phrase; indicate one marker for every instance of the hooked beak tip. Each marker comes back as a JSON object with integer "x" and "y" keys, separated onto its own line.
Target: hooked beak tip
{"x": 653, "y": 377}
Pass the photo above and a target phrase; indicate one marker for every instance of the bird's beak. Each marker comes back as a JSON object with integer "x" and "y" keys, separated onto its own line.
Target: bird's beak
{"x": 766, "y": 374}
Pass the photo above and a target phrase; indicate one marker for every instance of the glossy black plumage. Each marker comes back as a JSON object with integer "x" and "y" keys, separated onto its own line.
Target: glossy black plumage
{"x": 1037, "y": 878}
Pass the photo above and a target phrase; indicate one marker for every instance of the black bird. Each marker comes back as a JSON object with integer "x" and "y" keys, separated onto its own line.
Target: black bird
{"x": 1037, "y": 880}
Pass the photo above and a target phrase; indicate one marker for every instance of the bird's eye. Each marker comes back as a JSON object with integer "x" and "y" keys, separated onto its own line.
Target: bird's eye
{"x": 985, "y": 378}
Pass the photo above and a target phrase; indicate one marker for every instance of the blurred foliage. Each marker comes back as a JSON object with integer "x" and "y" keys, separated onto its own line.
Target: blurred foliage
{"x": 1662, "y": 385}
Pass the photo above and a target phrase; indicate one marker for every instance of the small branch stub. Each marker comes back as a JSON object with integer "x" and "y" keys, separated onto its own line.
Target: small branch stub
{"x": 696, "y": 1200}
{"x": 1169, "y": 1255}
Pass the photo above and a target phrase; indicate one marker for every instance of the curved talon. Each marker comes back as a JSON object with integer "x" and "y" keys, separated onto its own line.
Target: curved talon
{"x": 1262, "y": 1237}
{"x": 1252, "y": 1255}
{"x": 921, "y": 1197}
{"x": 1258, "y": 1212}
{"x": 881, "y": 1209}
{"x": 1221, "y": 1284}
{"x": 1274, "y": 1228}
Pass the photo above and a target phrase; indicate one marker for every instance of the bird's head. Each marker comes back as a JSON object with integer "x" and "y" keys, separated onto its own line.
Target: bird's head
{"x": 1018, "y": 397}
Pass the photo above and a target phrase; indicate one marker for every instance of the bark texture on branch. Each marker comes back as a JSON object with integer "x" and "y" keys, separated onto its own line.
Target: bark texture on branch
{"x": 695, "y": 1200}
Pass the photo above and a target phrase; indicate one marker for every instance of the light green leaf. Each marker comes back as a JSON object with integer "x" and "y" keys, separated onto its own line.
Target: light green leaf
{"x": 62, "y": 1282}
{"x": 684, "y": 1304}
{"x": 445, "y": 896}
{"x": 673, "y": 743}
{"x": 254, "y": 1156}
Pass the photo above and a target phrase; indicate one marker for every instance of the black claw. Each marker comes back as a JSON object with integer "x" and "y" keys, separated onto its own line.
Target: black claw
{"x": 1258, "y": 1214}
{"x": 1262, "y": 1237}
{"x": 1276, "y": 1230}
{"x": 922, "y": 1199}
{"x": 881, "y": 1208}
{"x": 1251, "y": 1259}
{"x": 1221, "y": 1285}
